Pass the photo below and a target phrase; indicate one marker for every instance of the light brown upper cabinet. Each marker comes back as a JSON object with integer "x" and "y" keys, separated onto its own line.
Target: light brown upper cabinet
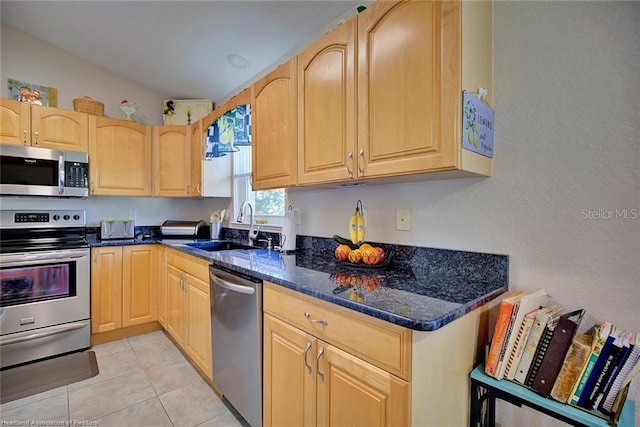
{"x": 274, "y": 120}
{"x": 326, "y": 108}
{"x": 414, "y": 60}
{"x": 22, "y": 123}
{"x": 119, "y": 157}
{"x": 172, "y": 161}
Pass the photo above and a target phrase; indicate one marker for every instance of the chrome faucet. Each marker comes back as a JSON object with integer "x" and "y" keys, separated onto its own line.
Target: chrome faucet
{"x": 253, "y": 234}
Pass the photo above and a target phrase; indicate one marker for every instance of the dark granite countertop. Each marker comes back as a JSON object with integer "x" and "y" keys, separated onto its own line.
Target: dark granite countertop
{"x": 421, "y": 288}
{"x": 428, "y": 289}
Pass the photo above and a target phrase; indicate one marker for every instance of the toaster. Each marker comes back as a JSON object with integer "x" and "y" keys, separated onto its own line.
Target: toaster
{"x": 117, "y": 229}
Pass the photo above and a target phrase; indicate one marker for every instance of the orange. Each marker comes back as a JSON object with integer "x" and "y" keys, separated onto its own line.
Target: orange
{"x": 369, "y": 256}
{"x": 342, "y": 252}
{"x": 355, "y": 256}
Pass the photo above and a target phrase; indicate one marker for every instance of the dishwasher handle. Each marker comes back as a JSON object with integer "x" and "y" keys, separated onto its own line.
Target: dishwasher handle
{"x": 234, "y": 287}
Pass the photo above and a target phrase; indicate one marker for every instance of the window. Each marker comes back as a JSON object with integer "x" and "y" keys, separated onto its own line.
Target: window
{"x": 268, "y": 205}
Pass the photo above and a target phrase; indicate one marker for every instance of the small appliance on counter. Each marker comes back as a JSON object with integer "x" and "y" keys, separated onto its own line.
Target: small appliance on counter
{"x": 181, "y": 228}
{"x": 117, "y": 229}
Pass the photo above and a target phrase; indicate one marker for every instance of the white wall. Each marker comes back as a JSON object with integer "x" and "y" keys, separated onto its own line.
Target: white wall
{"x": 31, "y": 60}
{"x": 567, "y": 134}
{"x": 28, "y": 59}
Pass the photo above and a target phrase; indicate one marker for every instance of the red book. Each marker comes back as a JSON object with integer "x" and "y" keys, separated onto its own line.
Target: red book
{"x": 500, "y": 331}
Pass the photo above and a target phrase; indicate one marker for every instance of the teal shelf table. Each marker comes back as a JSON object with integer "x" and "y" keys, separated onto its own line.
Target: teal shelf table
{"x": 485, "y": 389}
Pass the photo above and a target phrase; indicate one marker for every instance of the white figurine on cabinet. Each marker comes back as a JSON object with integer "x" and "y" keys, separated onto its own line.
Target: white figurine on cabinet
{"x": 128, "y": 108}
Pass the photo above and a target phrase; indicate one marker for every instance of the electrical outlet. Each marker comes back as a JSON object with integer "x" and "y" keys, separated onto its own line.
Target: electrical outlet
{"x": 297, "y": 213}
{"x": 132, "y": 214}
{"x": 403, "y": 219}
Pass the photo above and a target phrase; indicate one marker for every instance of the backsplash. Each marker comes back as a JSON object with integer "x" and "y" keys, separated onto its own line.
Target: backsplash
{"x": 432, "y": 263}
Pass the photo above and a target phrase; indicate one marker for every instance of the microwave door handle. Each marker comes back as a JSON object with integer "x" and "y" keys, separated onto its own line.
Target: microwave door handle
{"x": 61, "y": 173}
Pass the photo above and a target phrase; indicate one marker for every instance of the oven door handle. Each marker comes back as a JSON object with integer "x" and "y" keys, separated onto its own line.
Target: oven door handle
{"x": 21, "y": 259}
{"x": 232, "y": 286}
{"x": 49, "y": 332}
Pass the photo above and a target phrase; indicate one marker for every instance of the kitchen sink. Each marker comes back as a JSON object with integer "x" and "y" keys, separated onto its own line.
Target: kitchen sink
{"x": 221, "y": 245}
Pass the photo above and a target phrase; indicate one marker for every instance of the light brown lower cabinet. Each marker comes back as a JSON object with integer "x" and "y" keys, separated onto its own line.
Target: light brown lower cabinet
{"x": 124, "y": 286}
{"x": 309, "y": 382}
{"x": 188, "y": 307}
{"x": 329, "y": 365}
{"x": 311, "y": 379}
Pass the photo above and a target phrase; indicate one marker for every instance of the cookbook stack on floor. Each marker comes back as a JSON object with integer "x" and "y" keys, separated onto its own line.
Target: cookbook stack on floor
{"x": 538, "y": 346}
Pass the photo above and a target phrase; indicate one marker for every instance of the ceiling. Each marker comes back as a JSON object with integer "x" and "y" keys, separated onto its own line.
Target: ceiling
{"x": 179, "y": 48}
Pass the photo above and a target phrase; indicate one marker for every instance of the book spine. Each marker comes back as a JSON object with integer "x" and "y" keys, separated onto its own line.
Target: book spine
{"x": 530, "y": 347}
{"x": 591, "y": 382}
{"x": 497, "y": 342}
{"x": 606, "y": 371}
{"x": 540, "y": 352}
{"x": 629, "y": 364}
{"x": 586, "y": 372}
{"x": 572, "y": 365}
{"x": 554, "y": 356}
{"x": 622, "y": 358}
{"x": 502, "y": 360}
{"x": 518, "y": 347}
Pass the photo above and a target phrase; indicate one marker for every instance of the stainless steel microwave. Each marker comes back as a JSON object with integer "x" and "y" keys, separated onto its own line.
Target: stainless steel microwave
{"x": 31, "y": 171}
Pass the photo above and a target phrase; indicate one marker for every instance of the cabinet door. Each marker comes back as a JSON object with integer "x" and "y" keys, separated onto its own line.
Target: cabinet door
{"x": 175, "y": 304}
{"x": 162, "y": 286}
{"x": 289, "y": 375}
{"x": 197, "y": 156}
{"x": 172, "y": 161}
{"x": 15, "y": 122}
{"x": 326, "y": 108}
{"x": 106, "y": 289}
{"x": 139, "y": 284}
{"x": 59, "y": 129}
{"x": 273, "y": 122}
{"x": 198, "y": 321}
{"x": 120, "y": 157}
{"x": 403, "y": 89}
{"x": 354, "y": 393}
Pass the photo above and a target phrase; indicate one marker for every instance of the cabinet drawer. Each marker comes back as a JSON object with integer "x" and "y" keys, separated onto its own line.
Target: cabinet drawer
{"x": 381, "y": 343}
{"x": 195, "y": 266}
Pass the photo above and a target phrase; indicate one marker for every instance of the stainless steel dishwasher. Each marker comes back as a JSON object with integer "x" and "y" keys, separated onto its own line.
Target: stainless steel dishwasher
{"x": 236, "y": 338}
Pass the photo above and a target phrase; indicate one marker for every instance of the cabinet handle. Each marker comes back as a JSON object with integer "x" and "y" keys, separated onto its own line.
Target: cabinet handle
{"x": 198, "y": 189}
{"x": 322, "y": 322}
{"x": 95, "y": 256}
{"x": 24, "y": 137}
{"x": 320, "y": 374}
{"x": 350, "y": 164}
{"x": 361, "y": 162}
{"x": 188, "y": 188}
{"x": 35, "y": 134}
{"x": 306, "y": 350}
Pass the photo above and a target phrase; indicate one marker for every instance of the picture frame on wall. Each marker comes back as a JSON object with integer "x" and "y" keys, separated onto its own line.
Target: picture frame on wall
{"x": 185, "y": 111}
{"x": 32, "y": 93}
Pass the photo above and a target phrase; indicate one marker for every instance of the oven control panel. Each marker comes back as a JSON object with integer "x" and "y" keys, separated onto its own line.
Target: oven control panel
{"x": 41, "y": 219}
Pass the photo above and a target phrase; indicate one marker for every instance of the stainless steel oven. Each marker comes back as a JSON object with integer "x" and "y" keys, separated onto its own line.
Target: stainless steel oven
{"x": 44, "y": 285}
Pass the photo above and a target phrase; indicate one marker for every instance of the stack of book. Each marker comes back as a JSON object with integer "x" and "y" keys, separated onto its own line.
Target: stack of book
{"x": 537, "y": 346}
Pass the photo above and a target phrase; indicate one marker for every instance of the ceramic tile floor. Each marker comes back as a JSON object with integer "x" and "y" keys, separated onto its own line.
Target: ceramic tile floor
{"x": 143, "y": 381}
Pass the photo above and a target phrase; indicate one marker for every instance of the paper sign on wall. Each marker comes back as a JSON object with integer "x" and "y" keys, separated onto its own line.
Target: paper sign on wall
{"x": 477, "y": 125}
